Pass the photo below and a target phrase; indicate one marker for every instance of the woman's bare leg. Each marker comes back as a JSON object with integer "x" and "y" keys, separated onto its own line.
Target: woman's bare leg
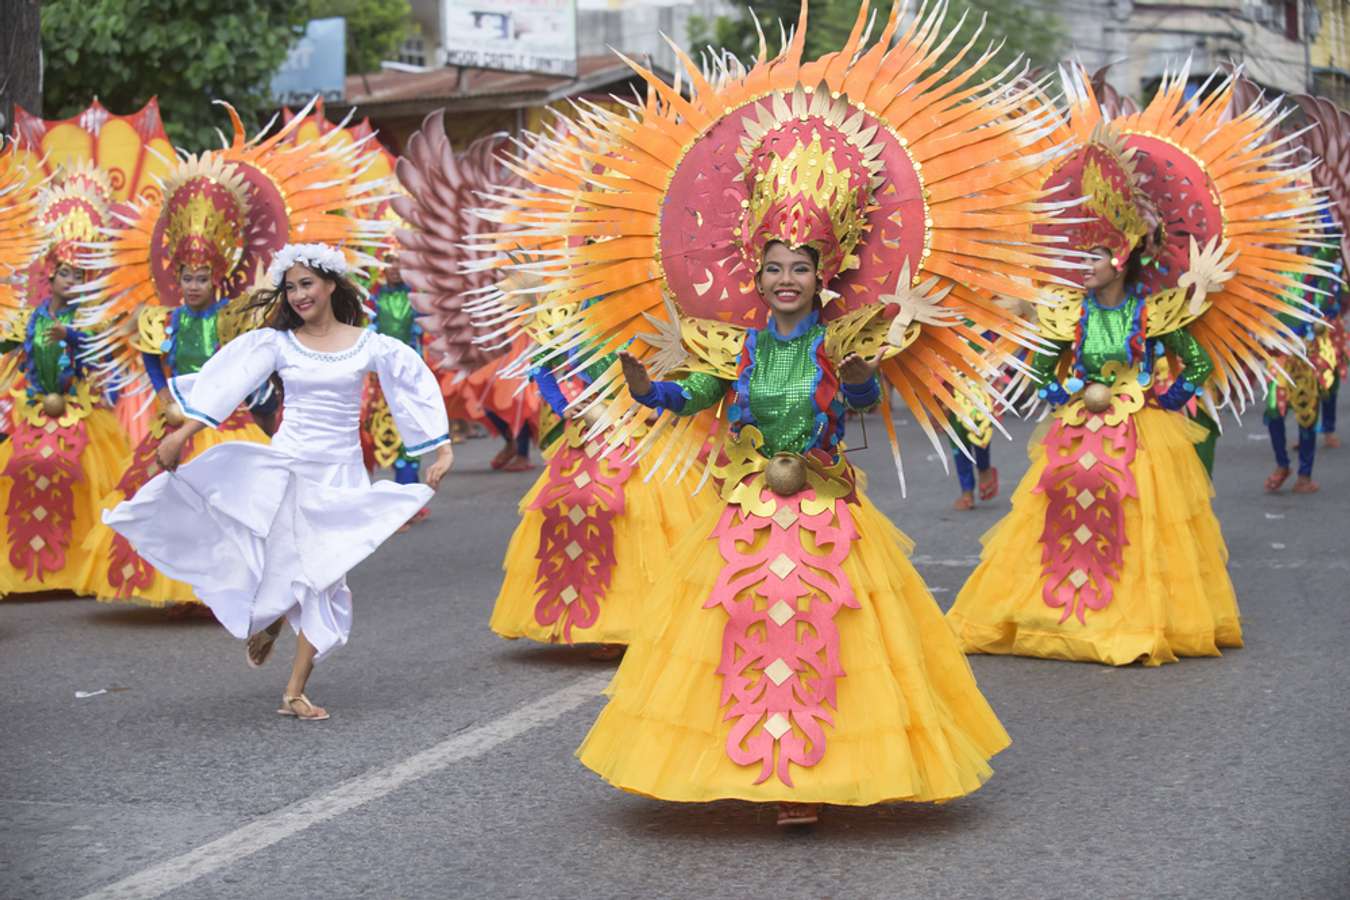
{"x": 300, "y": 672}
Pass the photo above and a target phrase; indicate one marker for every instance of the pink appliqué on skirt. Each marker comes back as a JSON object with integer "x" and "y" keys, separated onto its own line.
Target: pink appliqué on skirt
{"x": 1086, "y": 480}
{"x": 780, "y": 648}
{"x": 580, "y": 499}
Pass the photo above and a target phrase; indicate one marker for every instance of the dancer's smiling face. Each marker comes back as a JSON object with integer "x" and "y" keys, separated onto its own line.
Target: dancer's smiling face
{"x": 308, "y": 293}
{"x": 195, "y": 282}
{"x": 787, "y": 278}
{"x": 1103, "y": 270}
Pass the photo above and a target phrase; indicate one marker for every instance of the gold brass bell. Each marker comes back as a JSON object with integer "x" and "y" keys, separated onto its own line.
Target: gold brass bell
{"x": 173, "y": 415}
{"x": 1097, "y": 397}
{"x": 54, "y": 405}
{"x": 786, "y": 474}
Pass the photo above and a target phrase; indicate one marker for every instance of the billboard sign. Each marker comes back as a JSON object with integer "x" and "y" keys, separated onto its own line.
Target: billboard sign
{"x": 514, "y": 35}
{"x": 317, "y": 64}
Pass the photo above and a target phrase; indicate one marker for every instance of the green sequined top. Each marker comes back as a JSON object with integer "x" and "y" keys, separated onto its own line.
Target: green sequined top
{"x": 48, "y": 361}
{"x": 395, "y": 316}
{"x": 777, "y": 391}
{"x": 194, "y": 338}
{"x": 1106, "y": 337}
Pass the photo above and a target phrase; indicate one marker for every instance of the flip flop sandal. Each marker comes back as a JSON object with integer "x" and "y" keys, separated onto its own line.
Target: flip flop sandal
{"x": 798, "y": 813}
{"x": 1276, "y": 480}
{"x": 964, "y": 503}
{"x": 288, "y": 709}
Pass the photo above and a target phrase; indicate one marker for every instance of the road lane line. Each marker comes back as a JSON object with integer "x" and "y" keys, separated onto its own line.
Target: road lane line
{"x": 290, "y": 820}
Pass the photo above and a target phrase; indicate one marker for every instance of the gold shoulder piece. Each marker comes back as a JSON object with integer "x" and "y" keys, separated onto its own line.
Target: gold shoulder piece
{"x": 864, "y": 331}
{"x": 1058, "y": 321}
{"x": 15, "y": 324}
{"x": 1171, "y": 309}
{"x": 150, "y": 328}
{"x": 236, "y": 318}
{"x": 551, "y": 320}
{"x": 714, "y": 347}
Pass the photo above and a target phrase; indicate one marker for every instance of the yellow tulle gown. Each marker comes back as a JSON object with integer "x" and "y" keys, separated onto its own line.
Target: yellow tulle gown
{"x": 909, "y": 723}
{"x": 1173, "y": 597}
{"x": 27, "y": 532}
{"x": 623, "y": 528}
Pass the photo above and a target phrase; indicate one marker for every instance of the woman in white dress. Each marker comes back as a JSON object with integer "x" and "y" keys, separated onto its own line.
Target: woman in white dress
{"x": 267, "y": 534}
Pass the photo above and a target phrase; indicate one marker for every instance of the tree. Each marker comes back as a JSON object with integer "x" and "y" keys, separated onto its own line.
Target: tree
{"x": 1030, "y": 29}
{"x": 20, "y": 59}
{"x": 188, "y": 52}
{"x": 376, "y": 29}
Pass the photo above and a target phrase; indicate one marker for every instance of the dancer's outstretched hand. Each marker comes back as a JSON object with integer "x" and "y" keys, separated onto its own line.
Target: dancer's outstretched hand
{"x": 856, "y": 370}
{"x": 635, "y": 374}
{"x": 445, "y": 458}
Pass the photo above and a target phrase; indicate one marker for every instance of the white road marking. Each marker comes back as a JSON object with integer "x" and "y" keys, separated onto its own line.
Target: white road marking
{"x": 290, "y": 820}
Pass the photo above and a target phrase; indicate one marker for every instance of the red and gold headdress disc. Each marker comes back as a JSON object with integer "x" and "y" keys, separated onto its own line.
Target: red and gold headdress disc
{"x": 809, "y": 184}
{"x": 73, "y": 212}
{"x": 203, "y": 221}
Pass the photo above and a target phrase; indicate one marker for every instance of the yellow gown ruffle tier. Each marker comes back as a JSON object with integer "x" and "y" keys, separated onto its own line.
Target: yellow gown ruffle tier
{"x": 910, "y": 723}
{"x": 93, "y": 578}
{"x": 1174, "y": 597}
{"x": 656, "y": 515}
{"x": 100, "y": 465}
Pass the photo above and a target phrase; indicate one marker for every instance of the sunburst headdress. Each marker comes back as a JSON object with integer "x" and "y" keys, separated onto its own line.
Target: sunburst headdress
{"x": 1101, "y": 175}
{"x": 909, "y": 177}
{"x": 204, "y": 216}
{"x": 73, "y": 212}
{"x": 1230, "y": 212}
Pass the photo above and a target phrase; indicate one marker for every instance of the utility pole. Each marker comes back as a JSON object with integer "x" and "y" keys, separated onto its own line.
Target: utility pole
{"x": 20, "y": 59}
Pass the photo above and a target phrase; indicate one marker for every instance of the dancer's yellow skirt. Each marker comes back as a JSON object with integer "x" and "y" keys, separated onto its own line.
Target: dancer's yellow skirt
{"x": 910, "y": 722}
{"x": 657, "y": 514}
{"x": 1174, "y": 597}
{"x": 93, "y": 579}
{"x": 100, "y": 465}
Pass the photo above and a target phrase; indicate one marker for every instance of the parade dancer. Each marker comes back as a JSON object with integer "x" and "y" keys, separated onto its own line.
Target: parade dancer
{"x": 1303, "y": 382}
{"x": 307, "y": 513}
{"x": 1112, "y": 552}
{"x": 196, "y": 273}
{"x": 64, "y": 443}
{"x": 764, "y": 246}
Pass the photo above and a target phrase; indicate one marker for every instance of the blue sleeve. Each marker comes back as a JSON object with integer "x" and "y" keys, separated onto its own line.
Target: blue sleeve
{"x": 861, "y": 396}
{"x": 664, "y": 395}
{"x": 549, "y": 389}
{"x": 155, "y": 370}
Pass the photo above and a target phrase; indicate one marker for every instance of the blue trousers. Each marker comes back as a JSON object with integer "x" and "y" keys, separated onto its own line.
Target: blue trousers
{"x": 1329, "y": 411}
{"x": 1307, "y": 446}
{"x": 965, "y": 470}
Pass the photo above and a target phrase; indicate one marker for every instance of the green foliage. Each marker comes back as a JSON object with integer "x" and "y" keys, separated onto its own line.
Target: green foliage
{"x": 375, "y": 29}
{"x": 1032, "y": 30}
{"x": 188, "y": 52}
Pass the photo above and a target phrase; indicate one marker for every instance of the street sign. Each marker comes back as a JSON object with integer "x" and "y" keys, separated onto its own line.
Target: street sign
{"x": 514, "y": 35}
{"x": 317, "y": 64}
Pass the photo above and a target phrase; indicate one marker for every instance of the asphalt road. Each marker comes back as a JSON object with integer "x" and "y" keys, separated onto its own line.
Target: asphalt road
{"x": 447, "y": 769}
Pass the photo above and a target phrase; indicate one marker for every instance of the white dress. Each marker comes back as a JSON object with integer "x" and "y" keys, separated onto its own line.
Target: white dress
{"x": 265, "y": 531}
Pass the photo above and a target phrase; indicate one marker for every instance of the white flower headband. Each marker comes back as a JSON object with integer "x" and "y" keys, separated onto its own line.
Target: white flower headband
{"x": 319, "y": 257}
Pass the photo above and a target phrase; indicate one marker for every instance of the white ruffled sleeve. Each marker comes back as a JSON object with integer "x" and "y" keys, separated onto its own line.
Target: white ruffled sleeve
{"x": 413, "y": 395}
{"x": 236, "y": 370}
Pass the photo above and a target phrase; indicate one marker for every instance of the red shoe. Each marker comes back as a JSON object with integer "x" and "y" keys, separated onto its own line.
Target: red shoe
{"x": 1331, "y": 442}
{"x": 518, "y": 464}
{"x": 504, "y": 456}
{"x": 965, "y": 502}
{"x": 989, "y": 486}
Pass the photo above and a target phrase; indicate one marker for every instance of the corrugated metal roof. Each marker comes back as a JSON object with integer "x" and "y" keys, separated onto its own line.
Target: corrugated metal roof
{"x": 452, "y": 83}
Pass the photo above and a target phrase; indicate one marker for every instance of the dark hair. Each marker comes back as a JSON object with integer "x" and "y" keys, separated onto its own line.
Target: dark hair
{"x": 346, "y": 302}
{"x": 1134, "y": 266}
